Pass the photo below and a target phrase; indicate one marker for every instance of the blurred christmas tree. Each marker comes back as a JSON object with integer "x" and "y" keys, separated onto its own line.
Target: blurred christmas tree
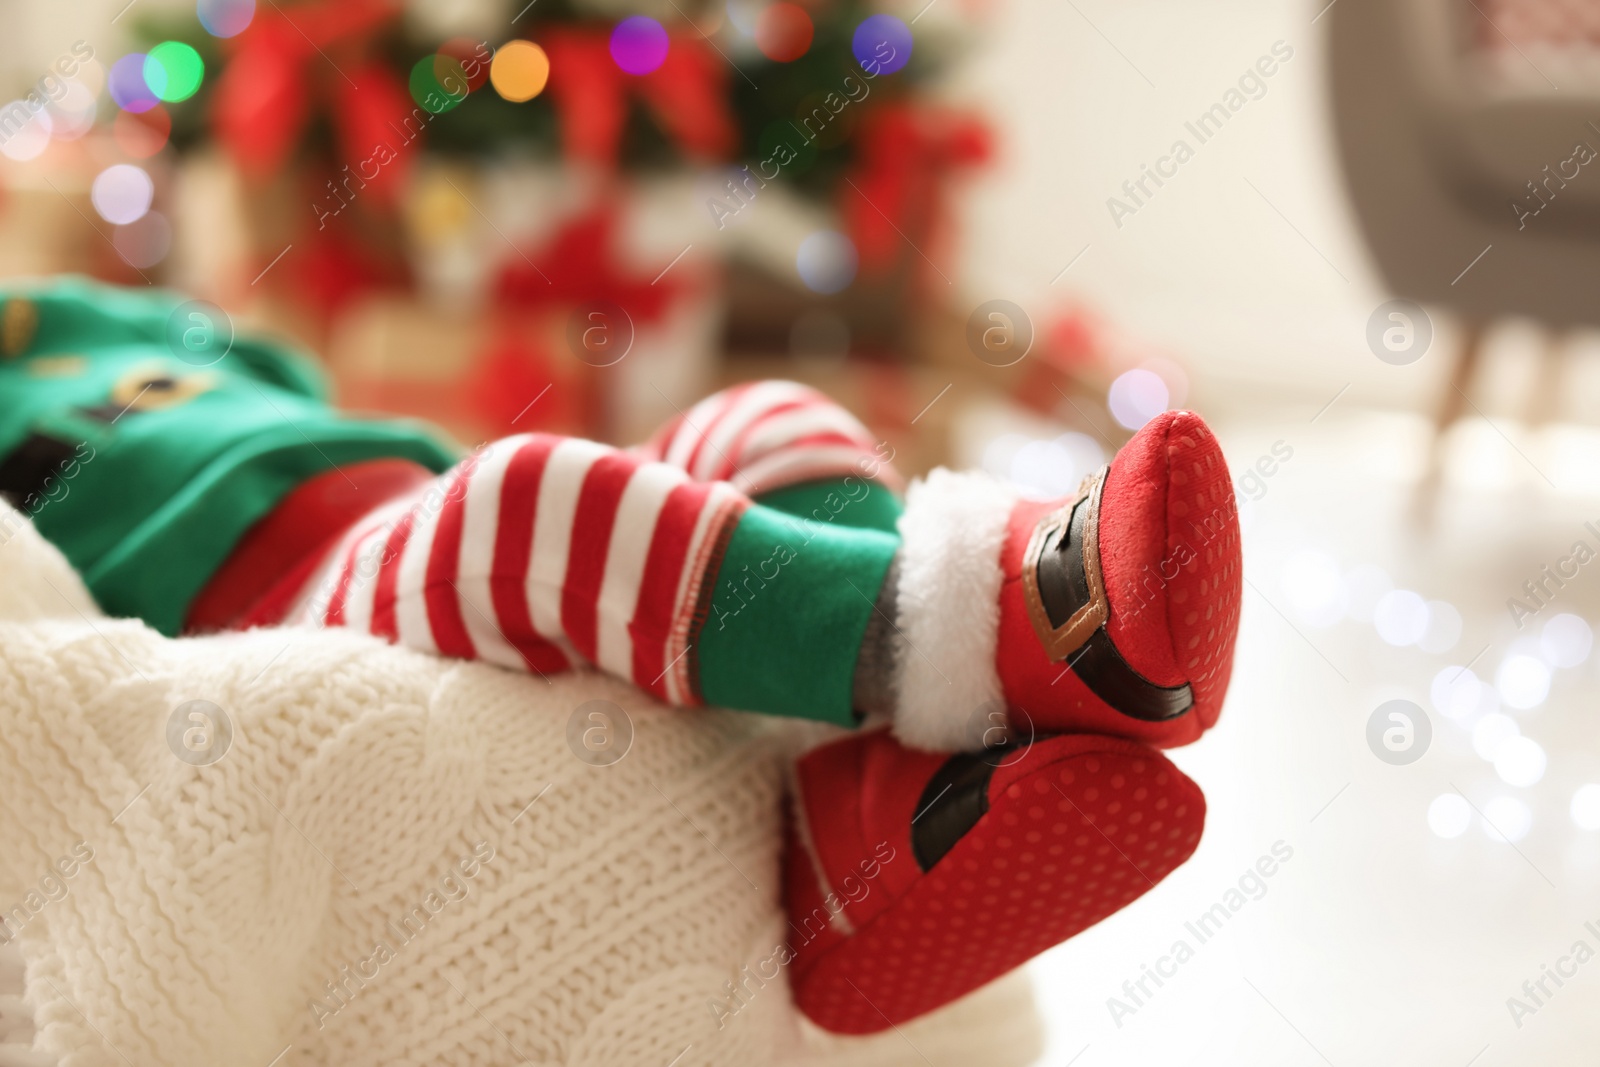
{"x": 706, "y": 83}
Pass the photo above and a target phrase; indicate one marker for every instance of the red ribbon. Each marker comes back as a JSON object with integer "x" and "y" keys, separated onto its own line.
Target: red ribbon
{"x": 687, "y": 94}
{"x": 265, "y": 93}
{"x": 906, "y": 157}
{"x": 579, "y": 264}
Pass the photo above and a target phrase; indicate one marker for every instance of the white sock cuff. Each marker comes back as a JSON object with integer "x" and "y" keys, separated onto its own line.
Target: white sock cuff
{"x": 952, "y": 534}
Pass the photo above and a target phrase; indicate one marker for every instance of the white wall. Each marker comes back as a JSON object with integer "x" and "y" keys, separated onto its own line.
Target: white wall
{"x": 1208, "y": 264}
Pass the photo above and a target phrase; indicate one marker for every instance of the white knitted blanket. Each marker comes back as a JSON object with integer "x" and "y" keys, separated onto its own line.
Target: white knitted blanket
{"x": 399, "y": 860}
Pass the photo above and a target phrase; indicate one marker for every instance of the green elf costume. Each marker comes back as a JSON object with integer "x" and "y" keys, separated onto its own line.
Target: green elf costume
{"x": 1009, "y": 662}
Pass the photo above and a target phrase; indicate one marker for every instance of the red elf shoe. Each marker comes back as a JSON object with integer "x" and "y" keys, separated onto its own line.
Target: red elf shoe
{"x": 1111, "y": 611}
{"x": 911, "y": 878}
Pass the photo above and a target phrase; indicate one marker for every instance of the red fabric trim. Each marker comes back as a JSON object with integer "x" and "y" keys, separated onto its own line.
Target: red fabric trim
{"x": 728, "y": 518}
{"x": 444, "y": 558}
{"x": 658, "y": 589}
{"x": 256, "y": 583}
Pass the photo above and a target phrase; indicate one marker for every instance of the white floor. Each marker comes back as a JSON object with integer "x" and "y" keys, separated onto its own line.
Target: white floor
{"x": 1379, "y": 941}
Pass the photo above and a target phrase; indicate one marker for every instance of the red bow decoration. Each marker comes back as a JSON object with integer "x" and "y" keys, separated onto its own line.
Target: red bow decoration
{"x": 687, "y": 94}
{"x": 897, "y": 189}
{"x": 582, "y": 261}
{"x": 264, "y": 94}
{"x": 578, "y": 265}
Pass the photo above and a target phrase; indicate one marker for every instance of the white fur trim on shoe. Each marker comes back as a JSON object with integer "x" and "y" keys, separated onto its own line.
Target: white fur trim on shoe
{"x": 948, "y": 603}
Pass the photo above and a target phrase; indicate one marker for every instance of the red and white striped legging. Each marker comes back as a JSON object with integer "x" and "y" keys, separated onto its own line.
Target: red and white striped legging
{"x": 539, "y": 551}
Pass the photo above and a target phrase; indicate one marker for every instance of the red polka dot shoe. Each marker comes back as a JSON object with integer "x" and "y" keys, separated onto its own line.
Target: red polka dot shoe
{"x": 912, "y": 879}
{"x": 1112, "y": 611}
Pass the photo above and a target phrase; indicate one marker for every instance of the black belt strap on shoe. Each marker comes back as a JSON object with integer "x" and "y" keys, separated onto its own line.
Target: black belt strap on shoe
{"x": 1067, "y": 604}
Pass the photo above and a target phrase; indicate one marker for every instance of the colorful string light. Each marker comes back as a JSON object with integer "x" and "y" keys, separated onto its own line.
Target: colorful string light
{"x": 783, "y": 32}
{"x": 639, "y": 44}
{"x": 881, "y": 44}
{"x": 225, "y": 18}
{"x": 122, "y": 193}
{"x": 128, "y": 87}
{"x": 520, "y": 71}
{"x": 826, "y": 261}
{"x": 173, "y": 71}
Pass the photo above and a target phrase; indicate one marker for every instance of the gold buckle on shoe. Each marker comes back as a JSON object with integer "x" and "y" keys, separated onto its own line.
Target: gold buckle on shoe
{"x": 1053, "y": 533}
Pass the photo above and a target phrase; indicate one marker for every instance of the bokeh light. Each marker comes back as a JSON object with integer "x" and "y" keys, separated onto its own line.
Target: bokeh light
{"x": 92, "y": 76}
{"x": 1400, "y": 617}
{"x": 639, "y": 44}
{"x": 826, "y": 261}
{"x": 438, "y": 83}
{"x": 1173, "y": 374}
{"x": 519, "y": 71}
{"x": 1312, "y": 582}
{"x": 745, "y": 15}
{"x": 1443, "y": 629}
{"x": 1049, "y": 469}
{"x": 473, "y": 56}
{"x": 143, "y": 243}
{"x": 1366, "y": 585}
{"x": 225, "y": 18}
{"x": 73, "y": 115}
{"x": 1456, "y": 693}
{"x": 30, "y": 139}
{"x": 128, "y": 87}
{"x": 1507, "y": 819}
{"x": 141, "y": 135}
{"x": 783, "y": 32}
{"x": 1449, "y": 815}
{"x": 173, "y": 71}
{"x": 122, "y": 193}
{"x": 1566, "y": 641}
{"x": 1585, "y": 809}
{"x": 1136, "y": 397}
{"x": 881, "y": 44}
{"x": 1520, "y": 762}
{"x": 1490, "y": 734}
{"x": 1523, "y": 681}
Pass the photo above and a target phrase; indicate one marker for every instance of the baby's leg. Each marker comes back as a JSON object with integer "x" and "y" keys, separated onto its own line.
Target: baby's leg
{"x": 542, "y": 552}
{"x": 788, "y": 447}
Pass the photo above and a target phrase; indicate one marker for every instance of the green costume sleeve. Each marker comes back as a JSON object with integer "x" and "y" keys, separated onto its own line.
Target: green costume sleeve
{"x": 145, "y": 460}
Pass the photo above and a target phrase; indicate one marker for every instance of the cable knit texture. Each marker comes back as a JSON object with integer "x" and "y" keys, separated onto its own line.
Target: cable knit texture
{"x": 558, "y": 913}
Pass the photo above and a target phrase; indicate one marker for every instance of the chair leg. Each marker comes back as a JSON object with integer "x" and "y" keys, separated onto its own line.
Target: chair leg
{"x": 1451, "y": 406}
